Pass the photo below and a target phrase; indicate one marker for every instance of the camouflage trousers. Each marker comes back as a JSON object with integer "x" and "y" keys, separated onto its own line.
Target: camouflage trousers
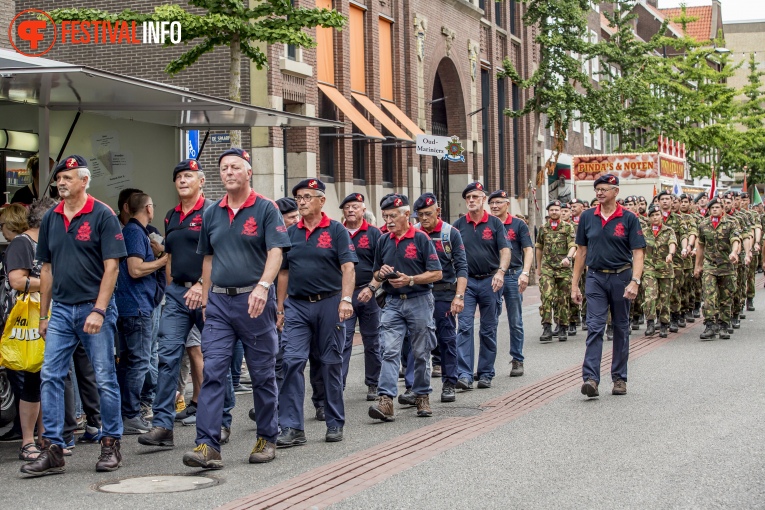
{"x": 718, "y": 296}
{"x": 750, "y": 290}
{"x": 676, "y": 302}
{"x": 739, "y": 294}
{"x": 689, "y": 296}
{"x": 697, "y": 291}
{"x": 578, "y": 313}
{"x": 658, "y": 292}
{"x": 555, "y": 292}
{"x": 636, "y": 306}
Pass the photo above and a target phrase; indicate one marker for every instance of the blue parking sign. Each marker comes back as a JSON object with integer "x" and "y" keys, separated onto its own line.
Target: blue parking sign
{"x": 192, "y": 144}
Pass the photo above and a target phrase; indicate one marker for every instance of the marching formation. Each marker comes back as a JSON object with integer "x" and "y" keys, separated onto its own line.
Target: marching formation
{"x": 282, "y": 285}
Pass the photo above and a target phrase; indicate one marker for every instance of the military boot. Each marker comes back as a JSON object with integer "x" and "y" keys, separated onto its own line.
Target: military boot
{"x": 546, "y": 333}
{"x": 562, "y": 333}
{"x": 650, "y": 328}
{"x": 673, "y": 323}
{"x": 680, "y": 318}
{"x": 689, "y": 316}
{"x": 735, "y": 323}
{"x": 572, "y": 329}
{"x": 641, "y": 319}
{"x": 663, "y": 327}
{"x": 709, "y": 331}
{"x": 742, "y": 315}
{"x": 750, "y": 305}
{"x": 697, "y": 310}
{"x": 634, "y": 324}
{"x": 724, "y": 335}
{"x": 556, "y": 331}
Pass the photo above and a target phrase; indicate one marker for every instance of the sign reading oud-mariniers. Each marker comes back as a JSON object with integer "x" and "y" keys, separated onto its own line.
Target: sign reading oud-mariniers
{"x": 443, "y": 147}
{"x": 33, "y": 33}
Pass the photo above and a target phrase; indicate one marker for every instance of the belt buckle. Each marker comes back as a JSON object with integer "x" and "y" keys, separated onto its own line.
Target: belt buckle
{"x": 231, "y": 291}
{"x": 312, "y": 300}
{"x": 404, "y": 296}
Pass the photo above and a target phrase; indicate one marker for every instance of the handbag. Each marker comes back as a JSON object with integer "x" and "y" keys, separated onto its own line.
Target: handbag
{"x": 22, "y": 348}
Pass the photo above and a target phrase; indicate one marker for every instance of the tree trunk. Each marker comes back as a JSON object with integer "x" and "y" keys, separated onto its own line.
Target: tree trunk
{"x": 235, "y": 83}
{"x": 532, "y": 205}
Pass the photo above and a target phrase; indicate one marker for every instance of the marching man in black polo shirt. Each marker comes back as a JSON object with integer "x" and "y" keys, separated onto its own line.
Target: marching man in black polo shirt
{"x": 611, "y": 244}
{"x": 407, "y": 263}
{"x": 318, "y": 275}
{"x": 488, "y": 258}
{"x": 242, "y": 239}
{"x": 80, "y": 245}
{"x": 364, "y": 237}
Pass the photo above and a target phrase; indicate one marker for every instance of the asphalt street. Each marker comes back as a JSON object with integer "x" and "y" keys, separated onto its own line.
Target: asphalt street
{"x": 689, "y": 434}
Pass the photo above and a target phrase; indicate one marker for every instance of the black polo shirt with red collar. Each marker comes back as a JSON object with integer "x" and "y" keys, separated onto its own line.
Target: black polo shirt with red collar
{"x": 518, "y": 237}
{"x": 365, "y": 241}
{"x": 316, "y": 257}
{"x": 609, "y": 242}
{"x": 412, "y": 254}
{"x": 76, "y": 250}
{"x": 182, "y": 239}
{"x": 239, "y": 242}
{"x": 483, "y": 242}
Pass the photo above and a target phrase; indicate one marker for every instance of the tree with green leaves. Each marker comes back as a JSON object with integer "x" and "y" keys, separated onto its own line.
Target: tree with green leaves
{"x": 243, "y": 26}
{"x": 750, "y": 117}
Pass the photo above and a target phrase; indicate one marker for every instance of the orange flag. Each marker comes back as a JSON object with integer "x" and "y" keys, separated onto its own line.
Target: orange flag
{"x": 744, "y": 188}
{"x": 654, "y": 190}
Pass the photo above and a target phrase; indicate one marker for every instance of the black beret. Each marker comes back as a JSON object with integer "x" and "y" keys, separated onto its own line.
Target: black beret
{"x": 500, "y": 193}
{"x": 473, "y": 186}
{"x": 620, "y": 201}
{"x": 744, "y": 194}
{"x": 701, "y": 195}
{"x": 607, "y": 179}
{"x": 664, "y": 192}
{"x": 653, "y": 208}
{"x": 70, "y": 163}
{"x": 554, "y": 203}
{"x": 564, "y": 205}
{"x": 712, "y": 202}
{"x": 630, "y": 199}
{"x": 309, "y": 184}
{"x": 286, "y": 205}
{"x": 384, "y": 198}
{"x": 729, "y": 195}
{"x": 575, "y": 201}
{"x": 187, "y": 165}
{"x": 353, "y": 197}
{"x": 233, "y": 151}
{"x": 425, "y": 200}
{"x": 394, "y": 201}
{"x": 682, "y": 196}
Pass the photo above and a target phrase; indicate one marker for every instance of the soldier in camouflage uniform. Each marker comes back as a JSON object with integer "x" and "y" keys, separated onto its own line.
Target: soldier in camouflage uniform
{"x": 661, "y": 244}
{"x": 555, "y": 248}
{"x": 676, "y": 223}
{"x": 578, "y": 313}
{"x": 756, "y": 221}
{"x": 746, "y": 233}
{"x": 688, "y": 294}
{"x": 716, "y": 258}
{"x": 700, "y": 211}
{"x": 636, "y": 307}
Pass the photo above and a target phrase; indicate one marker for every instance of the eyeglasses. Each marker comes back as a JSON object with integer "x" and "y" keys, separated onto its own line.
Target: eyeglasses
{"x": 498, "y": 203}
{"x": 392, "y": 216}
{"x": 305, "y": 198}
{"x": 474, "y": 197}
{"x": 600, "y": 191}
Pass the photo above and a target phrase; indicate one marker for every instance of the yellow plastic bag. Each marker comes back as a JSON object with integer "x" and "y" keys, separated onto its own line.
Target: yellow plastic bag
{"x": 22, "y": 347}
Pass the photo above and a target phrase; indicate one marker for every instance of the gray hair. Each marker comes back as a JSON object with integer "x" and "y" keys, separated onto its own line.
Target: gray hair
{"x": 38, "y": 209}
{"x": 370, "y": 217}
{"x": 82, "y": 173}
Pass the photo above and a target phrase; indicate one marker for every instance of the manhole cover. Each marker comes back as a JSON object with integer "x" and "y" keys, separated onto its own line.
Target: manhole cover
{"x": 461, "y": 412}
{"x": 157, "y": 484}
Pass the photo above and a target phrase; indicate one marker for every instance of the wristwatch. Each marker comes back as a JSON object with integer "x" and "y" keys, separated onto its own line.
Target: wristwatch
{"x": 460, "y": 296}
{"x": 411, "y": 281}
{"x": 200, "y": 282}
{"x": 347, "y": 299}
{"x": 525, "y": 273}
{"x": 266, "y": 285}
{"x": 636, "y": 280}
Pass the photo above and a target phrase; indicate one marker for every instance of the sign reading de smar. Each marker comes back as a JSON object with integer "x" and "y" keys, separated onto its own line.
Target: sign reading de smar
{"x": 430, "y": 145}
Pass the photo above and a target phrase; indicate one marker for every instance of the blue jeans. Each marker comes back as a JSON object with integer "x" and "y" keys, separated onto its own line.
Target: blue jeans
{"x": 65, "y": 330}
{"x": 446, "y": 335}
{"x": 135, "y": 351}
{"x": 413, "y": 318}
{"x": 149, "y": 389}
{"x": 606, "y": 291}
{"x": 514, "y": 305}
{"x": 479, "y": 294}
{"x": 368, "y": 316}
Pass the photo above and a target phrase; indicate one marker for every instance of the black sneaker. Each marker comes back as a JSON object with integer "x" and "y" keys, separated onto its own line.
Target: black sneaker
{"x": 190, "y": 410}
{"x": 320, "y": 416}
{"x": 407, "y": 398}
{"x": 464, "y": 384}
{"x": 447, "y": 393}
{"x": 157, "y": 436}
{"x": 485, "y": 382}
{"x": 290, "y": 437}
{"x": 371, "y": 393}
{"x": 252, "y": 415}
{"x": 610, "y": 332}
{"x": 334, "y": 434}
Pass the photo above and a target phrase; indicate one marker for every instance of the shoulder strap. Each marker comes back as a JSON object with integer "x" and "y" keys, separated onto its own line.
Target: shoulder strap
{"x": 446, "y": 243}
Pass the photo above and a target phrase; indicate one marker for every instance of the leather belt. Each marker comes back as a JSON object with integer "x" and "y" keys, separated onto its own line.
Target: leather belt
{"x": 188, "y": 285}
{"x": 232, "y": 291}
{"x": 316, "y": 297}
{"x": 614, "y": 271}
{"x": 411, "y": 295}
{"x": 483, "y": 276}
{"x": 444, "y": 287}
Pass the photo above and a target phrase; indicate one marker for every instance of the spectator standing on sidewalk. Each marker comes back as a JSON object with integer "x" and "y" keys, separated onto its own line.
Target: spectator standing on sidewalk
{"x": 80, "y": 245}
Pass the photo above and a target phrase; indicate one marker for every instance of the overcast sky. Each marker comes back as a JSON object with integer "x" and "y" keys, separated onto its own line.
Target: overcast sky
{"x": 732, "y": 10}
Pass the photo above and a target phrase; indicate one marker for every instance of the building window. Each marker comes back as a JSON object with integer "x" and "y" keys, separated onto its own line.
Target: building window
{"x": 576, "y": 122}
{"x": 358, "y": 58}
{"x": 386, "y": 59}
{"x": 595, "y": 62}
{"x": 587, "y": 134}
{"x": 482, "y": 5}
{"x": 291, "y": 48}
{"x": 498, "y": 11}
{"x": 511, "y": 15}
{"x": 325, "y": 55}
{"x": 327, "y": 137}
{"x": 388, "y": 160}
{"x": 501, "y": 120}
{"x": 596, "y": 139}
{"x": 359, "y": 157}
{"x": 485, "y": 136}
{"x": 516, "y": 140}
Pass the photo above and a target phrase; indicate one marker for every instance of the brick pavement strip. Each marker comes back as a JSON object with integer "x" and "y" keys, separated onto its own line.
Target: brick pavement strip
{"x": 331, "y": 483}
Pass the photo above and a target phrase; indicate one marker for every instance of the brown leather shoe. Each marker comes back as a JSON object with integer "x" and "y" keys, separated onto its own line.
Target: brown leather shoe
{"x": 49, "y": 462}
{"x": 110, "y": 458}
{"x": 203, "y": 456}
{"x": 423, "y": 406}
{"x": 620, "y": 387}
{"x": 383, "y": 409}
{"x": 590, "y": 388}
{"x": 263, "y": 452}
{"x": 157, "y": 436}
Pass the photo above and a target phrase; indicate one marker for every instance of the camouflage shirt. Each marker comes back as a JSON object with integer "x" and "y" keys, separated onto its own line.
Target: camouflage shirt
{"x": 656, "y": 251}
{"x": 693, "y": 229}
{"x": 555, "y": 244}
{"x": 718, "y": 243}
{"x": 677, "y": 223}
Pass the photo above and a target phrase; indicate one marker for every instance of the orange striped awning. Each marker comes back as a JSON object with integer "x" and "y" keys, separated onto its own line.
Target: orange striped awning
{"x": 350, "y": 111}
{"x": 405, "y": 121}
{"x": 378, "y": 114}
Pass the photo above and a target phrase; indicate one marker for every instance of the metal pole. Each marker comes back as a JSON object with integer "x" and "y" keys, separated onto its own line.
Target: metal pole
{"x": 284, "y": 155}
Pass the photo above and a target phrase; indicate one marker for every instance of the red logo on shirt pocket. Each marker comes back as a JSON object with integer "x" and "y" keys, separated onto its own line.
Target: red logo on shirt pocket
{"x": 325, "y": 241}
{"x": 364, "y": 242}
{"x": 511, "y": 235}
{"x": 196, "y": 223}
{"x": 411, "y": 251}
{"x": 619, "y": 230}
{"x": 83, "y": 233}
{"x": 439, "y": 246}
{"x": 250, "y": 227}
{"x": 488, "y": 235}
{"x": 119, "y": 237}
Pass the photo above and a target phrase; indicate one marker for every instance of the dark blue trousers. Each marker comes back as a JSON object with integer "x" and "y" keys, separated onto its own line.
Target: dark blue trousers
{"x": 368, "y": 316}
{"x": 446, "y": 334}
{"x": 606, "y": 291}
{"x": 227, "y": 320}
{"x": 312, "y": 326}
{"x": 478, "y": 296}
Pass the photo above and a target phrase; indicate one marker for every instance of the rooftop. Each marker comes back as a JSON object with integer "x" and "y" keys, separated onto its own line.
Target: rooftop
{"x": 700, "y": 29}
